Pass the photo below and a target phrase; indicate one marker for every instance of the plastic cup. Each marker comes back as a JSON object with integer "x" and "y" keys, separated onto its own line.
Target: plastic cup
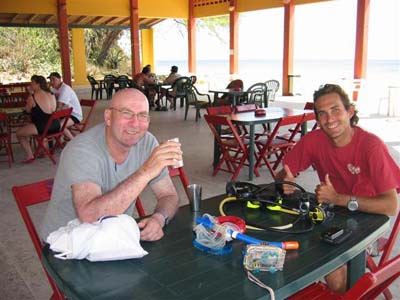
{"x": 176, "y": 140}
{"x": 194, "y": 191}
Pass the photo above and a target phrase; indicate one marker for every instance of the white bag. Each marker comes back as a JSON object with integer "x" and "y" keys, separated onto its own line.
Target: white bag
{"x": 110, "y": 238}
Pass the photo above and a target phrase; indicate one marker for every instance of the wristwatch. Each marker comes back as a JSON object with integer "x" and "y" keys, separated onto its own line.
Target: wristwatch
{"x": 165, "y": 216}
{"x": 352, "y": 205}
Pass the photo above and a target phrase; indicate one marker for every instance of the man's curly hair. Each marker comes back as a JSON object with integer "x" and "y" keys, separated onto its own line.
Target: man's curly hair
{"x": 334, "y": 88}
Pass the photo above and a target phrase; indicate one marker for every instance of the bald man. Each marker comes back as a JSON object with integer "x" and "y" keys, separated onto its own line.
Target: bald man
{"x": 103, "y": 170}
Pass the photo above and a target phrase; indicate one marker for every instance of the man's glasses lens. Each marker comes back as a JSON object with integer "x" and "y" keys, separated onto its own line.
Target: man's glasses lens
{"x": 129, "y": 115}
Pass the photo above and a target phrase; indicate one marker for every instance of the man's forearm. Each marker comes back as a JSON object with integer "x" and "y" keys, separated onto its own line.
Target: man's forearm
{"x": 385, "y": 203}
{"x": 113, "y": 202}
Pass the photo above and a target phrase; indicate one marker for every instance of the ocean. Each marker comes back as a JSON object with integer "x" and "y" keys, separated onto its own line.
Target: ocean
{"x": 215, "y": 74}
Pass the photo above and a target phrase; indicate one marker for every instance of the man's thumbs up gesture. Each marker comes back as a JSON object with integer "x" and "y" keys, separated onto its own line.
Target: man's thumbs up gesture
{"x": 325, "y": 191}
{"x": 287, "y": 175}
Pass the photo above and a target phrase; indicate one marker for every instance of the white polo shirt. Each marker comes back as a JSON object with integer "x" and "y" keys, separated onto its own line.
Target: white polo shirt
{"x": 67, "y": 95}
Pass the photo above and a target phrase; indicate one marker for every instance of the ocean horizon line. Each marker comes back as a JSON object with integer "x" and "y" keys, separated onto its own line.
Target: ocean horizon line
{"x": 396, "y": 61}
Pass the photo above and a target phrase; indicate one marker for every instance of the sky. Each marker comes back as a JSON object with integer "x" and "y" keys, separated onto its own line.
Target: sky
{"x": 322, "y": 31}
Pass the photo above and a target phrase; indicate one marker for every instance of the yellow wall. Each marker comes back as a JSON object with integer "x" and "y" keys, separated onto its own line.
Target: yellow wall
{"x": 78, "y": 49}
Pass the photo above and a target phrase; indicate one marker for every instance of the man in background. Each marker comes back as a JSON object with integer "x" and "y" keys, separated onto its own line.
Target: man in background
{"x": 66, "y": 98}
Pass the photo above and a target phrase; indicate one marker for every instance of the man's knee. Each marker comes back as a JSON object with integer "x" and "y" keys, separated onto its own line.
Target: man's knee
{"x": 337, "y": 280}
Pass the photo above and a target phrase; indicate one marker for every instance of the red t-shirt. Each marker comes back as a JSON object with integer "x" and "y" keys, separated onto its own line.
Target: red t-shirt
{"x": 363, "y": 167}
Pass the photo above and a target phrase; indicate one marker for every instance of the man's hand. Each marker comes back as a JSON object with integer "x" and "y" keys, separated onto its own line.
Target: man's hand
{"x": 286, "y": 175}
{"x": 325, "y": 192}
{"x": 150, "y": 229}
{"x": 166, "y": 154}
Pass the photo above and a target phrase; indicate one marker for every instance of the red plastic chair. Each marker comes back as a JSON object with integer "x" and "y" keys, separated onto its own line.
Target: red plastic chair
{"x": 80, "y": 127}
{"x": 368, "y": 287}
{"x": 234, "y": 150}
{"x": 42, "y": 139}
{"x": 276, "y": 144}
{"x": 178, "y": 172}
{"x": 28, "y": 195}
{"x": 385, "y": 246}
{"x": 5, "y": 138}
{"x": 219, "y": 110}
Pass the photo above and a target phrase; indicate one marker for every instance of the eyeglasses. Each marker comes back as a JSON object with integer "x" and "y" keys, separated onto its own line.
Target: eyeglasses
{"x": 129, "y": 115}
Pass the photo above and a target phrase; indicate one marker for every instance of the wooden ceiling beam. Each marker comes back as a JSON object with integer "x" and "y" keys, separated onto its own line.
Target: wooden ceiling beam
{"x": 95, "y": 20}
{"x": 123, "y": 21}
{"x": 34, "y": 16}
{"x": 14, "y": 18}
{"x": 48, "y": 19}
{"x": 110, "y": 20}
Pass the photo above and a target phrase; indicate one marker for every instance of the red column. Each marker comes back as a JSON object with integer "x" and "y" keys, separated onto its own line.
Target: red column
{"x": 288, "y": 41}
{"x": 63, "y": 40}
{"x": 191, "y": 39}
{"x": 234, "y": 36}
{"x": 360, "y": 59}
{"x": 135, "y": 54}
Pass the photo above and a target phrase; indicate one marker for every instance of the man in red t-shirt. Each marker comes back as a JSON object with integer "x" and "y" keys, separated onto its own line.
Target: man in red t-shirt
{"x": 354, "y": 166}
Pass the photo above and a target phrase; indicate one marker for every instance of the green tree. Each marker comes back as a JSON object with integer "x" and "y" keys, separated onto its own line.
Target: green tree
{"x": 102, "y": 47}
{"x": 28, "y": 50}
{"x": 216, "y": 26}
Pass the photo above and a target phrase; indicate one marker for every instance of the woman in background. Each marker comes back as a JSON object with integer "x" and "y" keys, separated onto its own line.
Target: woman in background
{"x": 40, "y": 104}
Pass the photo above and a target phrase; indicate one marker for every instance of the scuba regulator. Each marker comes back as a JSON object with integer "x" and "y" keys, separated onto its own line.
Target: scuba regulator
{"x": 270, "y": 197}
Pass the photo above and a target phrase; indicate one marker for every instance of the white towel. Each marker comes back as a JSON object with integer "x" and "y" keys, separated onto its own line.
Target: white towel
{"x": 110, "y": 238}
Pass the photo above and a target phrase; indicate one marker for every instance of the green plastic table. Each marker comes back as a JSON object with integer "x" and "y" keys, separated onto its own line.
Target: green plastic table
{"x": 174, "y": 269}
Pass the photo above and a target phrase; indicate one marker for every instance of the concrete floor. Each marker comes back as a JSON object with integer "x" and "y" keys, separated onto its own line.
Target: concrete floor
{"x": 21, "y": 275}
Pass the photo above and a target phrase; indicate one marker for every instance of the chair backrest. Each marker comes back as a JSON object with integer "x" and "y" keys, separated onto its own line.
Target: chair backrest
{"x": 5, "y": 139}
{"x": 3, "y": 117}
{"x": 219, "y": 123}
{"x": 87, "y": 103}
{"x": 245, "y": 108}
{"x": 285, "y": 121}
{"x": 258, "y": 94}
{"x": 28, "y": 195}
{"x": 219, "y": 110}
{"x": 122, "y": 81}
{"x": 371, "y": 284}
{"x": 272, "y": 88}
{"x": 93, "y": 82}
{"x": 309, "y": 105}
{"x": 177, "y": 172}
{"x": 193, "y": 78}
{"x": 182, "y": 85}
{"x": 109, "y": 81}
{"x": 57, "y": 115}
{"x": 234, "y": 84}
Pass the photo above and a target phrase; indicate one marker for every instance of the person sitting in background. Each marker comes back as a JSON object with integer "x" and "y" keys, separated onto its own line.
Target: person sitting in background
{"x": 151, "y": 75}
{"x": 103, "y": 170}
{"x": 144, "y": 83}
{"x": 66, "y": 97}
{"x": 354, "y": 166}
{"x": 170, "y": 80}
{"x": 40, "y": 104}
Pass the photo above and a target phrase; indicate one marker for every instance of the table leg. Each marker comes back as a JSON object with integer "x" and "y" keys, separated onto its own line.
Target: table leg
{"x": 355, "y": 269}
{"x": 217, "y": 151}
{"x": 215, "y": 103}
{"x": 304, "y": 129}
{"x": 251, "y": 152}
